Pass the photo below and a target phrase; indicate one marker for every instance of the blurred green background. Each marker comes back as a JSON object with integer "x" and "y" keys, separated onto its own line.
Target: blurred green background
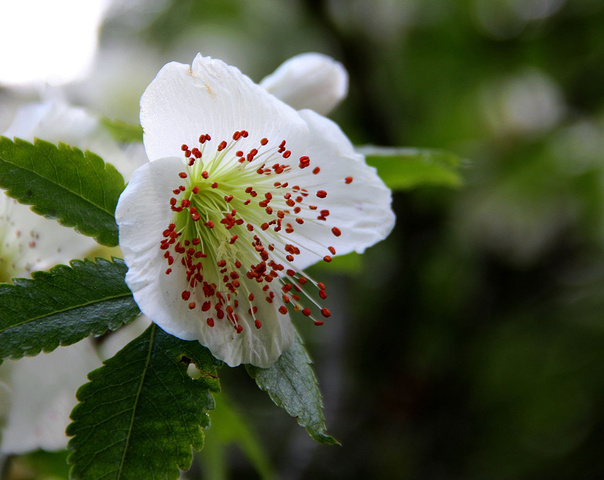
{"x": 470, "y": 343}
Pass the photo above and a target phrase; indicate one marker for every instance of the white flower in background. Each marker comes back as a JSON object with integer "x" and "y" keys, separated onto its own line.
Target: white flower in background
{"x": 241, "y": 194}
{"x": 309, "y": 80}
{"x": 39, "y": 392}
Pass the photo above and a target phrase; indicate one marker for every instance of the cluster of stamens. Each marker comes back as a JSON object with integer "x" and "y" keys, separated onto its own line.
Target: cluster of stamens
{"x": 208, "y": 229}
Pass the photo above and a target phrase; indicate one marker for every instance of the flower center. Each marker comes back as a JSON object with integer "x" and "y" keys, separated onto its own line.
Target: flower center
{"x": 228, "y": 235}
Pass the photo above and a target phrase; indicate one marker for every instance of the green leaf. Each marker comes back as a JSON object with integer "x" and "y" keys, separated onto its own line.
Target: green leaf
{"x": 141, "y": 413}
{"x": 228, "y": 427}
{"x": 407, "y": 168}
{"x": 122, "y": 131}
{"x": 292, "y": 385}
{"x": 77, "y": 189}
{"x": 63, "y": 306}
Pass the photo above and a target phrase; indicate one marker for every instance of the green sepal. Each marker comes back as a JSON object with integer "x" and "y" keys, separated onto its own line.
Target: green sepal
{"x": 123, "y": 132}
{"x": 76, "y": 188}
{"x": 141, "y": 414}
{"x": 291, "y": 384}
{"x": 63, "y": 306}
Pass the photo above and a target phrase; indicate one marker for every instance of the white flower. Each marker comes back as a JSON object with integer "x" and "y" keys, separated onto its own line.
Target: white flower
{"x": 39, "y": 392}
{"x": 242, "y": 193}
{"x": 309, "y": 80}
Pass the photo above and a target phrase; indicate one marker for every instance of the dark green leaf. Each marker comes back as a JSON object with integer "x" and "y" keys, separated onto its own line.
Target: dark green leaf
{"x": 122, "y": 131}
{"x": 407, "y": 168}
{"x": 292, "y": 385}
{"x": 63, "y": 306}
{"x": 77, "y": 189}
{"x": 141, "y": 413}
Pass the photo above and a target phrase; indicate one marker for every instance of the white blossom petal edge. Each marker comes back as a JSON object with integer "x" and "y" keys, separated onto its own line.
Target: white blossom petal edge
{"x": 309, "y": 80}
{"x": 241, "y": 194}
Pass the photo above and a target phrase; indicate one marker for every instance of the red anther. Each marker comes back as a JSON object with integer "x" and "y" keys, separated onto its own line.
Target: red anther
{"x": 233, "y": 239}
{"x": 290, "y": 258}
{"x": 264, "y": 226}
{"x": 236, "y": 135}
{"x": 244, "y": 133}
{"x": 184, "y": 147}
{"x": 306, "y": 311}
{"x": 348, "y": 179}
{"x": 289, "y": 229}
{"x": 250, "y": 227}
{"x": 323, "y": 294}
{"x": 239, "y": 329}
{"x": 268, "y": 196}
{"x": 222, "y": 146}
{"x": 176, "y": 191}
{"x": 239, "y": 153}
{"x": 196, "y": 241}
{"x": 312, "y": 207}
{"x": 321, "y": 285}
{"x": 325, "y": 312}
{"x": 182, "y": 175}
{"x": 332, "y": 250}
{"x": 257, "y": 324}
{"x": 318, "y": 323}
{"x": 186, "y": 203}
{"x": 325, "y": 213}
{"x": 195, "y": 189}
{"x": 228, "y": 198}
{"x": 221, "y": 263}
{"x": 283, "y": 309}
{"x": 300, "y": 221}
{"x": 196, "y": 217}
{"x": 327, "y": 258}
{"x": 206, "y": 306}
{"x": 269, "y": 210}
{"x": 251, "y": 297}
{"x": 192, "y": 305}
{"x": 185, "y": 295}
{"x": 336, "y": 231}
{"x": 168, "y": 271}
{"x": 196, "y": 153}
{"x": 182, "y": 188}
{"x": 302, "y": 280}
{"x": 296, "y": 188}
{"x": 172, "y": 201}
{"x": 290, "y": 202}
{"x": 285, "y": 298}
{"x": 321, "y": 194}
{"x": 264, "y": 141}
{"x": 214, "y": 185}
{"x": 287, "y": 154}
{"x": 205, "y": 174}
{"x": 304, "y": 162}
{"x": 210, "y": 322}
{"x": 290, "y": 272}
{"x": 316, "y": 170}
{"x": 209, "y": 224}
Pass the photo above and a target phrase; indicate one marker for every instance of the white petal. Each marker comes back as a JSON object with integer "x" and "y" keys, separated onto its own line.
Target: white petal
{"x": 361, "y": 210}
{"x": 183, "y": 102}
{"x": 56, "y": 121}
{"x": 143, "y": 213}
{"x": 31, "y": 242}
{"x": 42, "y": 395}
{"x": 309, "y": 80}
